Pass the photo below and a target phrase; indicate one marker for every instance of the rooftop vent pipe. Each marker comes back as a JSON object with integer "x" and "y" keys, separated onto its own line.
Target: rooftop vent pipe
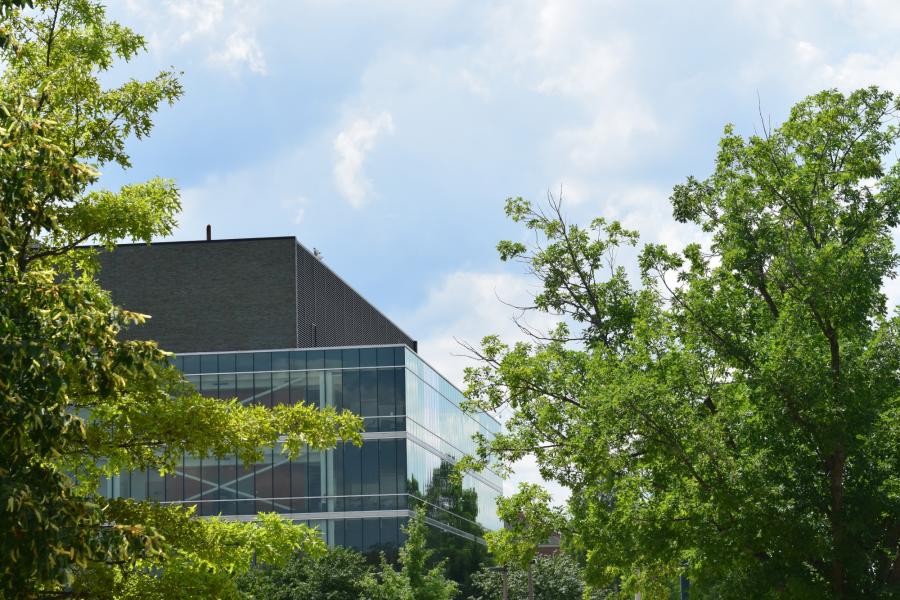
{"x": 208, "y": 233}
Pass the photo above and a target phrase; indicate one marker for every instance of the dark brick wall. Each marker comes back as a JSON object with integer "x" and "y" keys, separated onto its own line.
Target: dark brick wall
{"x": 208, "y": 296}
{"x": 240, "y": 295}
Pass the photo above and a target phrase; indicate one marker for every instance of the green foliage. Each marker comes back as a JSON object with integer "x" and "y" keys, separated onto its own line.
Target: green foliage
{"x": 338, "y": 574}
{"x": 416, "y": 579}
{"x": 342, "y": 574}
{"x": 72, "y": 391}
{"x": 530, "y": 521}
{"x": 448, "y": 500}
{"x": 426, "y": 582}
{"x": 202, "y": 558}
{"x": 556, "y": 577}
{"x": 736, "y": 416}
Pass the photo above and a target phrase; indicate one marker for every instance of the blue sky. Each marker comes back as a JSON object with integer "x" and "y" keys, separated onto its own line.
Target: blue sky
{"x": 388, "y": 134}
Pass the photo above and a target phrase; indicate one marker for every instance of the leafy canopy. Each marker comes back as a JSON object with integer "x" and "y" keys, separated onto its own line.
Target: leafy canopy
{"x": 530, "y": 521}
{"x": 450, "y": 500}
{"x": 735, "y": 415}
{"x": 202, "y": 558}
{"x": 416, "y": 579}
{"x": 72, "y": 390}
{"x": 555, "y": 577}
{"x": 342, "y": 574}
{"x": 338, "y": 574}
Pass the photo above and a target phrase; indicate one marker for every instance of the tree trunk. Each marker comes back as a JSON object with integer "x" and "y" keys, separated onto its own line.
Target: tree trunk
{"x": 837, "y": 462}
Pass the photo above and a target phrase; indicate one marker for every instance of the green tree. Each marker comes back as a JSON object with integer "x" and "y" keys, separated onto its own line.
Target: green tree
{"x": 736, "y": 416}
{"x": 556, "y": 577}
{"x": 73, "y": 391}
{"x": 202, "y": 558}
{"x": 448, "y": 500}
{"x": 530, "y": 521}
{"x": 417, "y": 579}
{"x": 338, "y": 574}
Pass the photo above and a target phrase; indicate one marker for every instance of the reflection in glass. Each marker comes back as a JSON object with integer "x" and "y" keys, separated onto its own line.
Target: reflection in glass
{"x": 420, "y": 431}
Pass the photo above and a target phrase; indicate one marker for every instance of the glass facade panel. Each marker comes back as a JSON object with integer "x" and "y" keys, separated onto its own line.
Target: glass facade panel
{"x": 298, "y": 386}
{"x": 367, "y": 357}
{"x": 227, "y": 388}
{"x": 209, "y": 363}
{"x": 384, "y": 357}
{"x": 314, "y": 472}
{"x": 371, "y": 538}
{"x": 281, "y": 388}
{"x": 299, "y": 484}
{"x": 414, "y": 427}
{"x": 192, "y": 478}
{"x": 243, "y": 362}
{"x": 262, "y": 361}
{"x": 228, "y": 492}
{"x": 246, "y": 491}
{"x": 386, "y": 391}
{"x": 244, "y": 389}
{"x": 350, "y": 358}
{"x": 298, "y": 360}
{"x": 350, "y": 399}
{"x": 333, "y": 359}
{"x": 315, "y": 391}
{"x": 210, "y": 487}
{"x": 139, "y": 485}
{"x": 368, "y": 393}
{"x": 281, "y": 361}
{"x": 262, "y": 389}
{"x": 209, "y": 385}
{"x": 353, "y": 534}
{"x": 191, "y": 364}
{"x": 315, "y": 359}
{"x": 388, "y": 474}
{"x": 264, "y": 483}
{"x": 156, "y": 487}
{"x": 175, "y": 486}
{"x": 370, "y": 479}
{"x": 226, "y": 363}
{"x": 352, "y": 471}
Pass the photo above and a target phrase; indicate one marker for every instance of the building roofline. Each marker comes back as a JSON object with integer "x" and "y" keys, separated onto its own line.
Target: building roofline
{"x": 265, "y": 238}
{"x": 355, "y": 291}
{"x": 213, "y": 241}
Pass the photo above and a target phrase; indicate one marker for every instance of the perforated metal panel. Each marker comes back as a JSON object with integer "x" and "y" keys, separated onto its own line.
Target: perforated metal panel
{"x": 331, "y": 313}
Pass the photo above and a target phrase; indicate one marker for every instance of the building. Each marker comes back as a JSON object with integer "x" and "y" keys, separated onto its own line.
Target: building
{"x": 265, "y": 321}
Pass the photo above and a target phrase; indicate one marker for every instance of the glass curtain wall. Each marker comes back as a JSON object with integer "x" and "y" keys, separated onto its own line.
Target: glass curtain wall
{"x": 412, "y": 411}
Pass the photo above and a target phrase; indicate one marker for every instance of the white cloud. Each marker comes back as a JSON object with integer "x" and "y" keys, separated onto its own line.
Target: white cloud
{"x": 297, "y": 206}
{"x": 466, "y": 306}
{"x": 241, "y": 50}
{"x": 194, "y": 17}
{"x": 351, "y": 146}
{"x": 554, "y": 51}
{"x": 223, "y": 30}
{"x": 806, "y": 52}
{"x": 860, "y": 69}
{"x": 276, "y": 195}
{"x": 475, "y": 84}
{"x": 605, "y": 141}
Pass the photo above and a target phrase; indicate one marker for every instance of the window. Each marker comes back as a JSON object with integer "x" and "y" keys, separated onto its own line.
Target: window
{"x": 262, "y": 361}
{"x": 280, "y": 361}
{"x": 209, "y": 363}
{"x": 298, "y": 360}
